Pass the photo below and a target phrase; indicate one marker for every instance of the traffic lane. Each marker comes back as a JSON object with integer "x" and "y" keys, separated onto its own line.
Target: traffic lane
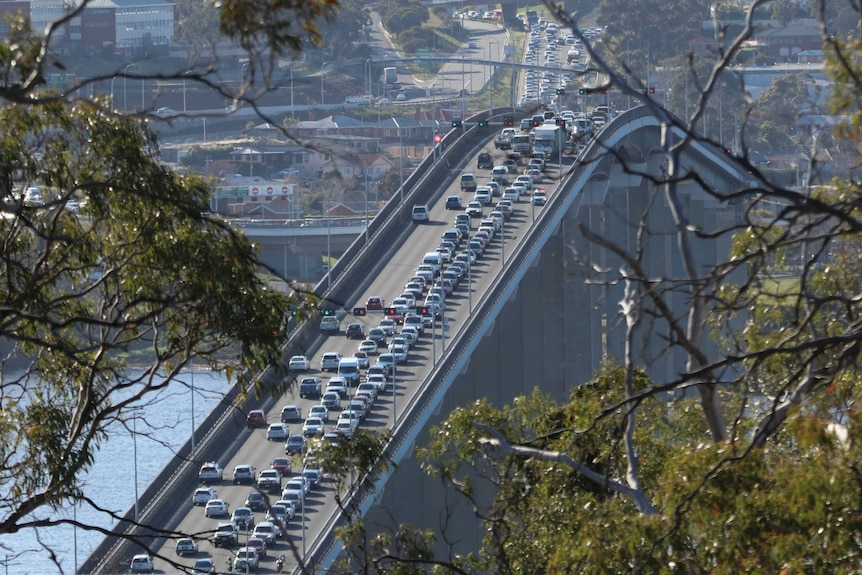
{"x": 259, "y": 452}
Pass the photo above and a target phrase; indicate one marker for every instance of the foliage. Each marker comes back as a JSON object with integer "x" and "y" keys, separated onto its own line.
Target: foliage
{"x": 642, "y": 25}
{"x": 402, "y": 19}
{"x": 122, "y": 257}
{"x": 774, "y": 118}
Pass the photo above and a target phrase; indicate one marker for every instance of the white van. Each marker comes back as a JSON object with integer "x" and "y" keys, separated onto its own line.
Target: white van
{"x": 433, "y": 259}
{"x": 348, "y": 368}
{"x": 420, "y": 213}
{"x": 500, "y": 174}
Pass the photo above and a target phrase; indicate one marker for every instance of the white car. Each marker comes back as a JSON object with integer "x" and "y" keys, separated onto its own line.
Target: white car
{"x": 319, "y": 411}
{"x": 313, "y": 426}
{"x": 203, "y": 494}
{"x": 361, "y": 358}
{"x": 186, "y": 546}
{"x": 539, "y": 198}
{"x": 203, "y": 566}
{"x": 216, "y": 508}
{"x": 276, "y": 432}
{"x": 388, "y": 326}
{"x": 379, "y": 380}
{"x": 141, "y": 564}
{"x": 368, "y": 346}
{"x": 299, "y": 363}
{"x": 346, "y": 427}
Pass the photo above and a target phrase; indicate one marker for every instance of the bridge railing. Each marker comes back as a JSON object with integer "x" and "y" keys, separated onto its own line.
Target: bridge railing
{"x": 223, "y": 431}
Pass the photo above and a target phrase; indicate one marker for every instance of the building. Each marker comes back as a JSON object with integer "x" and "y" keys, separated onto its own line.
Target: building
{"x": 131, "y": 26}
{"x": 372, "y": 166}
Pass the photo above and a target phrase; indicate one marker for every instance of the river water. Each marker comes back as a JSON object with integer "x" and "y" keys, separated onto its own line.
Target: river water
{"x": 164, "y": 425}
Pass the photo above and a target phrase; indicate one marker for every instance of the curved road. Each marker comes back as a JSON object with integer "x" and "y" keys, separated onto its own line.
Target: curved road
{"x": 399, "y": 267}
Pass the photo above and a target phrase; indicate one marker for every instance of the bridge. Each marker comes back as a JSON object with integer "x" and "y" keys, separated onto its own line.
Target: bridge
{"x": 537, "y": 321}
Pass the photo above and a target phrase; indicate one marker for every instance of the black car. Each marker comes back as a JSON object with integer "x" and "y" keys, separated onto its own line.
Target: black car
{"x": 255, "y": 501}
{"x": 484, "y": 161}
{"x": 453, "y": 203}
{"x": 354, "y": 330}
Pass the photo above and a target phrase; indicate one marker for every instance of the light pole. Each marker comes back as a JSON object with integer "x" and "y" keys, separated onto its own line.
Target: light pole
{"x": 394, "y": 407}
{"x": 135, "y": 457}
{"x": 368, "y": 76}
{"x": 469, "y": 283}
{"x": 401, "y": 157}
{"x": 491, "y": 58}
{"x": 125, "y": 77}
{"x": 113, "y": 107}
{"x": 328, "y": 247}
{"x": 192, "y": 366}
{"x": 365, "y": 171}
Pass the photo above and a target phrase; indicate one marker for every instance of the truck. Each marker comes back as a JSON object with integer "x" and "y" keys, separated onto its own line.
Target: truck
{"x": 549, "y": 140}
{"x": 309, "y": 387}
{"x": 390, "y": 75}
{"x": 269, "y": 480}
{"x": 522, "y": 144}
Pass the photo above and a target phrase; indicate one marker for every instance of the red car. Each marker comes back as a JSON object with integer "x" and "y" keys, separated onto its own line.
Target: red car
{"x": 282, "y": 464}
{"x": 255, "y": 418}
{"x": 374, "y": 303}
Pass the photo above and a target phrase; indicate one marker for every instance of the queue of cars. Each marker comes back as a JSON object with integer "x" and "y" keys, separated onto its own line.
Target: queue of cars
{"x": 273, "y": 494}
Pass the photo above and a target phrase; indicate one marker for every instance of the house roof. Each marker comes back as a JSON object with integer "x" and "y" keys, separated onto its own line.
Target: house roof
{"x": 792, "y": 30}
{"x": 331, "y": 123}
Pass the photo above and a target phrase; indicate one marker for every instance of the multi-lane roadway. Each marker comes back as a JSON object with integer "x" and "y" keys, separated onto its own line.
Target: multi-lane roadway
{"x": 400, "y": 263}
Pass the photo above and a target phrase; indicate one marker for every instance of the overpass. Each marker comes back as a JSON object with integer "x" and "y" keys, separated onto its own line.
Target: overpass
{"x": 536, "y": 323}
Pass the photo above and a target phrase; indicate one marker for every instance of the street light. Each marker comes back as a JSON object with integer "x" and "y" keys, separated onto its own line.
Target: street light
{"x": 401, "y": 157}
{"x": 135, "y": 457}
{"x": 125, "y": 77}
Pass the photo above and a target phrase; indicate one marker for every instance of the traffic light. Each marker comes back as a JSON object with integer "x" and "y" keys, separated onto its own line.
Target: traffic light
{"x": 652, "y": 89}
{"x": 294, "y": 312}
{"x": 425, "y": 311}
{"x": 390, "y": 311}
{"x": 509, "y": 121}
{"x": 438, "y": 138}
{"x": 561, "y": 122}
{"x": 482, "y": 123}
{"x": 536, "y": 123}
{"x": 581, "y": 91}
{"x": 328, "y": 312}
{"x": 359, "y": 311}
{"x": 456, "y": 123}
{"x": 561, "y": 92}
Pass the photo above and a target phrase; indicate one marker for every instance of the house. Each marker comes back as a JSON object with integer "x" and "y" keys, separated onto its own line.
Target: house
{"x": 372, "y": 166}
{"x": 785, "y": 43}
{"x": 810, "y": 57}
